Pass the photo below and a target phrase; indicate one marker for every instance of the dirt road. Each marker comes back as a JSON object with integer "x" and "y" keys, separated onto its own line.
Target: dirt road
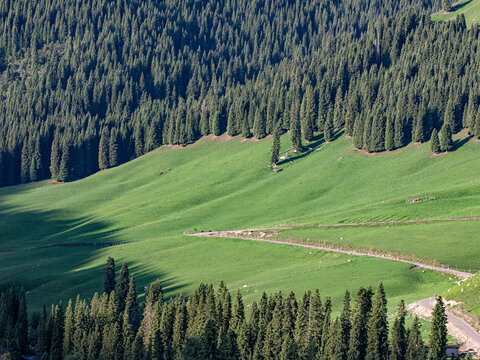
{"x": 224, "y": 234}
{"x": 457, "y": 327}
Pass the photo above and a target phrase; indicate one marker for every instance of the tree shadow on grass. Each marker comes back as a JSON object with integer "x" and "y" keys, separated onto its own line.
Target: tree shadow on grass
{"x": 309, "y": 148}
{"x": 457, "y": 144}
{"x": 57, "y": 256}
{"x": 460, "y": 5}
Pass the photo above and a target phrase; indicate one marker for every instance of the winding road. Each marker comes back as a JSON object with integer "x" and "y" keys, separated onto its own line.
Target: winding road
{"x": 458, "y": 328}
{"x": 225, "y": 234}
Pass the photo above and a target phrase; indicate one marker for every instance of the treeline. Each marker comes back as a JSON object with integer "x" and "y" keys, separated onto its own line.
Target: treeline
{"x": 86, "y": 85}
{"x": 212, "y": 325}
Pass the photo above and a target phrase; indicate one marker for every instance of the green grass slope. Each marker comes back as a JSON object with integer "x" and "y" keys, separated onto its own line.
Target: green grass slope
{"x": 469, "y": 8}
{"x": 467, "y": 292}
{"x": 219, "y": 184}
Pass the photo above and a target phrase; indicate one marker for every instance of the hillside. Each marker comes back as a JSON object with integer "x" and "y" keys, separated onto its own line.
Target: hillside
{"x": 468, "y": 294}
{"x": 469, "y": 8}
{"x": 223, "y": 183}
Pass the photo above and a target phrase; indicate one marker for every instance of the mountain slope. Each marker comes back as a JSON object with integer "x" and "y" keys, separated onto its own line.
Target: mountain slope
{"x": 221, "y": 183}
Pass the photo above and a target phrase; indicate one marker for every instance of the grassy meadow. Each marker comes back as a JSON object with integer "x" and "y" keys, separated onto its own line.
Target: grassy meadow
{"x": 469, "y": 8}
{"x": 220, "y": 184}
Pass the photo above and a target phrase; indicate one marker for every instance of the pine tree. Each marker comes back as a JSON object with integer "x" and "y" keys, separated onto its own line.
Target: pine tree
{"x": 328, "y": 130}
{"x": 238, "y": 313}
{"x": 289, "y": 349}
{"x": 306, "y": 121}
{"x": 179, "y": 326}
{"x": 65, "y": 171}
{"x": 208, "y": 342}
{"x": 438, "y": 334}
{"x": 446, "y": 5}
{"x": 36, "y": 162}
{"x": 139, "y": 141}
{"x": 295, "y": 130}
{"x": 109, "y": 276}
{"x": 259, "y": 124}
{"x": 476, "y": 125}
{"x": 275, "y": 147}
{"x": 415, "y": 347}
{"x": 55, "y": 156}
{"x": 377, "y": 347}
{"x": 445, "y": 138}
{"x": 25, "y": 163}
{"x": 358, "y": 334}
{"x": 42, "y": 348}
{"x": 122, "y": 287}
{"x": 390, "y": 134}
{"x": 399, "y": 341}
{"x": 21, "y": 331}
{"x": 56, "y": 348}
{"x": 151, "y": 139}
{"x": 434, "y": 142}
{"x": 69, "y": 329}
{"x": 103, "y": 156}
{"x": 113, "y": 153}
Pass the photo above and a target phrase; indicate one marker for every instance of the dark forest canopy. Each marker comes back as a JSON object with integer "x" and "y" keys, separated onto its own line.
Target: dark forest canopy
{"x": 86, "y": 85}
{"x": 213, "y": 324}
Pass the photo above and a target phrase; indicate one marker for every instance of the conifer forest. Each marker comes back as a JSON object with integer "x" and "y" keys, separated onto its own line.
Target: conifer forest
{"x": 209, "y": 324}
{"x": 88, "y": 85}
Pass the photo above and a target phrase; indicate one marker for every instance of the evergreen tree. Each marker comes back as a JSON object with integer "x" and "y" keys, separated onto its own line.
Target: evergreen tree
{"x": 445, "y": 138}
{"x": 238, "y": 313}
{"x": 295, "y": 130}
{"x": 151, "y": 139}
{"x": 25, "y": 164}
{"x": 415, "y": 347}
{"x": 358, "y": 335}
{"x": 328, "y": 131}
{"x": 113, "y": 153}
{"x": 438, "y": 334}
{"x": 434, "y": 142}
{"x": 289, "y": 349}
{"x": 56, "y": 348}
{"x": 446, "y": 5}
{"x": 275, "y": 147}
{"x": 399, "y": 341}
{"x": 65, "y": 171}
{"x": 55, "y": 156}
{"x": 139, "y": 141}
{"x": 259, "y": 124}
{"x": 109, "y": 276}
{"x": 103, "y": 156}
{"x": 390, "y": 134}
{"x": 377, "y": 347}
{"x": 123, "y": 286}
{"x": 69, "y": 330}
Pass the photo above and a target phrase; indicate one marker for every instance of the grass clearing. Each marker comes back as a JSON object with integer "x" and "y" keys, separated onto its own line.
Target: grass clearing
{"x": 469, "y": 8}
{"x": 219, "y": 185}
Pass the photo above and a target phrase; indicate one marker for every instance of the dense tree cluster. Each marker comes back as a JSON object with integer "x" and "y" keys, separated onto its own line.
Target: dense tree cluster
{"x": 212, "y": 325}
{"x": 87, "y": 85}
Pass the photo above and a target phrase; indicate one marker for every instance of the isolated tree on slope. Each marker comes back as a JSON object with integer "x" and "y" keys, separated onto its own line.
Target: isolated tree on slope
{"x": 275, "y": 146}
